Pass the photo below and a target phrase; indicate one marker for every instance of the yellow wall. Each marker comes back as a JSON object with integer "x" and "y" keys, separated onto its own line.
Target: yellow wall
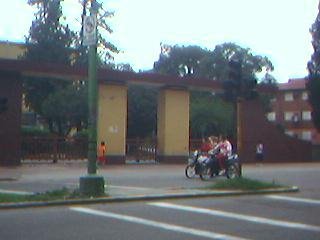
{"x": 10, "y": 50}
{"x": 112, "y": 118}
{"x": 173, "y": 123}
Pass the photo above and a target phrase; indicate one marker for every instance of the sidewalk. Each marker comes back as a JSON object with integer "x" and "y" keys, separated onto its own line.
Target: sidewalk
{"x": 123, "y": 182}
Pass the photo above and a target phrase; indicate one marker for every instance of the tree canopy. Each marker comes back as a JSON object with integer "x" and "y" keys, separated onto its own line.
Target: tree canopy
{"x": 235, "y": 67}
{"x": 199, "y": 62}
{"x": 48, "y": 41}
{"x": 51, "y": 41}
{"x": 313, "y": 84}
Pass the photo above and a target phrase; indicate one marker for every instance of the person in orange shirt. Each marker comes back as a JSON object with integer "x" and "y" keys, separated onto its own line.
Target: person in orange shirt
{"x": 102, "y": 151}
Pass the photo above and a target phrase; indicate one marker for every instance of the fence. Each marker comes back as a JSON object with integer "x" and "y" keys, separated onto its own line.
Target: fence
{"x": 58, "y": 148}
{"x": 141, "y": 149}
{"x": 53, "y": 148}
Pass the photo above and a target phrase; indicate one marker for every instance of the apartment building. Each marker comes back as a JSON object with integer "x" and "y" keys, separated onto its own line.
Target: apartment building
{"x": 291, "y": 111}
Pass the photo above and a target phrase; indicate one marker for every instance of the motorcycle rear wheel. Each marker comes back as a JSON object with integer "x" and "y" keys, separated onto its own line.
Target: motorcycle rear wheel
{"x": 190, "y": 171}
{"x": 233, "y": 171}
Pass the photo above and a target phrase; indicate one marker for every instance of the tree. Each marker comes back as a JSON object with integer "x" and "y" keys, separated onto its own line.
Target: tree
{"x": 210, "y": 115}
{"x": 313, "y": 84}
{"x": 51, "y": 41}
{"x": 105, "y": 49}
{"x": 181, "y": 61}
{"x": 48, "y": 41}
{"x": 66, "y": 109}
{"x": 142, "y": 111}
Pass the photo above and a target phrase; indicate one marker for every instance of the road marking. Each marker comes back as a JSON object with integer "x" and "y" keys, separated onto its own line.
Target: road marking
{"x": 293, "y": 199}
{"x": 248, "y": 218}
{"x": 129, "y": 187}
{"x": 156, "y": 224}
{"x": 15, "y": 192}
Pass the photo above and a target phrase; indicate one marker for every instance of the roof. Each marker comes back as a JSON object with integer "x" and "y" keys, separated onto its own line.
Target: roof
{"x": 28, "y": 68}
{"x": 293, "y": 84}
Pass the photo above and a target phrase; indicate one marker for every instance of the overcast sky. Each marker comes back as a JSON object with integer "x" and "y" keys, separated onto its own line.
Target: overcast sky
{"x": 278, "y": 29}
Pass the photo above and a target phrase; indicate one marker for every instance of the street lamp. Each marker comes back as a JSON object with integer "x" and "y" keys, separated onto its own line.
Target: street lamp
{"x": 92, "y": 184}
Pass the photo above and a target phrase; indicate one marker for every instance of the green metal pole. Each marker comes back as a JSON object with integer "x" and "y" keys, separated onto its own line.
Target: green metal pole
{"x": 92, "y": 184}
{"x": 92, "y": 101}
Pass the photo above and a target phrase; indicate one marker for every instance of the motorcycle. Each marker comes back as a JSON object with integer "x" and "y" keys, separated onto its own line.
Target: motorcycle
{"x": 211, "y": 168}
{"x": 195, "y": 164}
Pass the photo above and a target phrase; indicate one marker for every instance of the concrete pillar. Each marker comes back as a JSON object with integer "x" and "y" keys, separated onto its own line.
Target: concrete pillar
{"x": 10, "y": 120}
{"x": 112, "y": 121}
{"x": 173, "y": 126}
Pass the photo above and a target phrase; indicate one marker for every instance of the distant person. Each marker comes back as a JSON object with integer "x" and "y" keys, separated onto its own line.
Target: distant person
{"x": 102, "y": 151}
{"x": 259, "y": 152}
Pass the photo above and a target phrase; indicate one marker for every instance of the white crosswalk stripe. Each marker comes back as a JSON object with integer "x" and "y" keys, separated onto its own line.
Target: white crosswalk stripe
{"x": 293, "y": 199}
{"x": 156, "y": 224}
{"x": 237, "y": 216}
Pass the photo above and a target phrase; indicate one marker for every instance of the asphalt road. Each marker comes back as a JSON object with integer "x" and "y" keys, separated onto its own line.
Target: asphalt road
{"x": 246, "y": 217}
{"x": 283, "y": 216}
{"x": 37, "y": 177}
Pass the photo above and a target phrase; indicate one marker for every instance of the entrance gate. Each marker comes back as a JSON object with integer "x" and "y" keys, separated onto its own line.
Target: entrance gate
{"x": 173, "y": 108}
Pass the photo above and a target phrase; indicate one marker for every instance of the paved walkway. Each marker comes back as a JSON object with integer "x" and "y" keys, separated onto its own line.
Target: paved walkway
{"x": 123, "y": 182}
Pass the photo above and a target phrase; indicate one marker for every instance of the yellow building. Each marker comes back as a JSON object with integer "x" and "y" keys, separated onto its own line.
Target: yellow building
{"x": 11, "y": 50}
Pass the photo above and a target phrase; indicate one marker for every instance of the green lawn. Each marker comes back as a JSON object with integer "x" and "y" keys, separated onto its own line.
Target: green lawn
{"x": 60, "y": 194}
{"x": 243, "y": 184}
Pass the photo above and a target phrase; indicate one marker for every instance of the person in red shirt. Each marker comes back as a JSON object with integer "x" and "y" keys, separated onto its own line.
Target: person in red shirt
{"x": 102, "y": 151}
{"x": 206, "y": 145}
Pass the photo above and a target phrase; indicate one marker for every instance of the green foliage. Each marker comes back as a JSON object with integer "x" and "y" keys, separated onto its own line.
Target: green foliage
{"x": 244, "y": 184}
{"x": 66, "y": 108}
{"x": 105, "y": 49}
{"x": 181, "y": 61}
{"x": 313, "y": 84}
{"x": 210, "y": 115}
{"x": 198, "y": 62}
{"x": 48, "y": 41}
{"x": 142, "y": 111}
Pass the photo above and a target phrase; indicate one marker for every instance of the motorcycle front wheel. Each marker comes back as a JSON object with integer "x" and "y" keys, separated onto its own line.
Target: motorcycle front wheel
{"x": 190, "y": 171}
{"x": 206, "y": 174}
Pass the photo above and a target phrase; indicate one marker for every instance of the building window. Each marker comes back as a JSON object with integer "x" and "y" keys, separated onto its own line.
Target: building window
{"x": 289, "y": 133}
{"x": 306, "y": 135}
{"x": 271, "y": 116}
{"x": 288, "y": 116}
{"x": 306, "y": 115}
{"x": 288, "y": 97}
{"x": 304, "y": 95}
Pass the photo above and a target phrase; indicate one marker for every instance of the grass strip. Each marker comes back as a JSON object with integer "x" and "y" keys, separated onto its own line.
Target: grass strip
{"x": 60, "y": 194}
{"x": 243, "y": 184}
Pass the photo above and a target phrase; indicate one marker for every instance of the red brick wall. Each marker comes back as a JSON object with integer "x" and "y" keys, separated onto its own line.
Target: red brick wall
{"x": 10, "y": 120}
{"x": 278, "y": 147}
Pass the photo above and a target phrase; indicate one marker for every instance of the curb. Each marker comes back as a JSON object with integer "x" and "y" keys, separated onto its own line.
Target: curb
{"x": 194, "y": 194}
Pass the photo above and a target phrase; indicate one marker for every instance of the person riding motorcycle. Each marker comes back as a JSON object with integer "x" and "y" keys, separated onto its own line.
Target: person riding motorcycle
{"x": 225, "y": 151}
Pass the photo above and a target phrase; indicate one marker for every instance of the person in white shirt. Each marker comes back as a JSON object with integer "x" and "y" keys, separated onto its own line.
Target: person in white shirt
{"x": 225, "y": 152}
{"x": 259, "y": 152}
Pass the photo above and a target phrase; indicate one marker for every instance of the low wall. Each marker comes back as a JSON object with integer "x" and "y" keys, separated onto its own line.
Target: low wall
{"x": 278, "y": 147}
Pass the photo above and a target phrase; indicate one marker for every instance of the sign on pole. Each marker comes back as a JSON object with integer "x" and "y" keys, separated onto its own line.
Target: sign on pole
{"x": 89, "y": 30}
